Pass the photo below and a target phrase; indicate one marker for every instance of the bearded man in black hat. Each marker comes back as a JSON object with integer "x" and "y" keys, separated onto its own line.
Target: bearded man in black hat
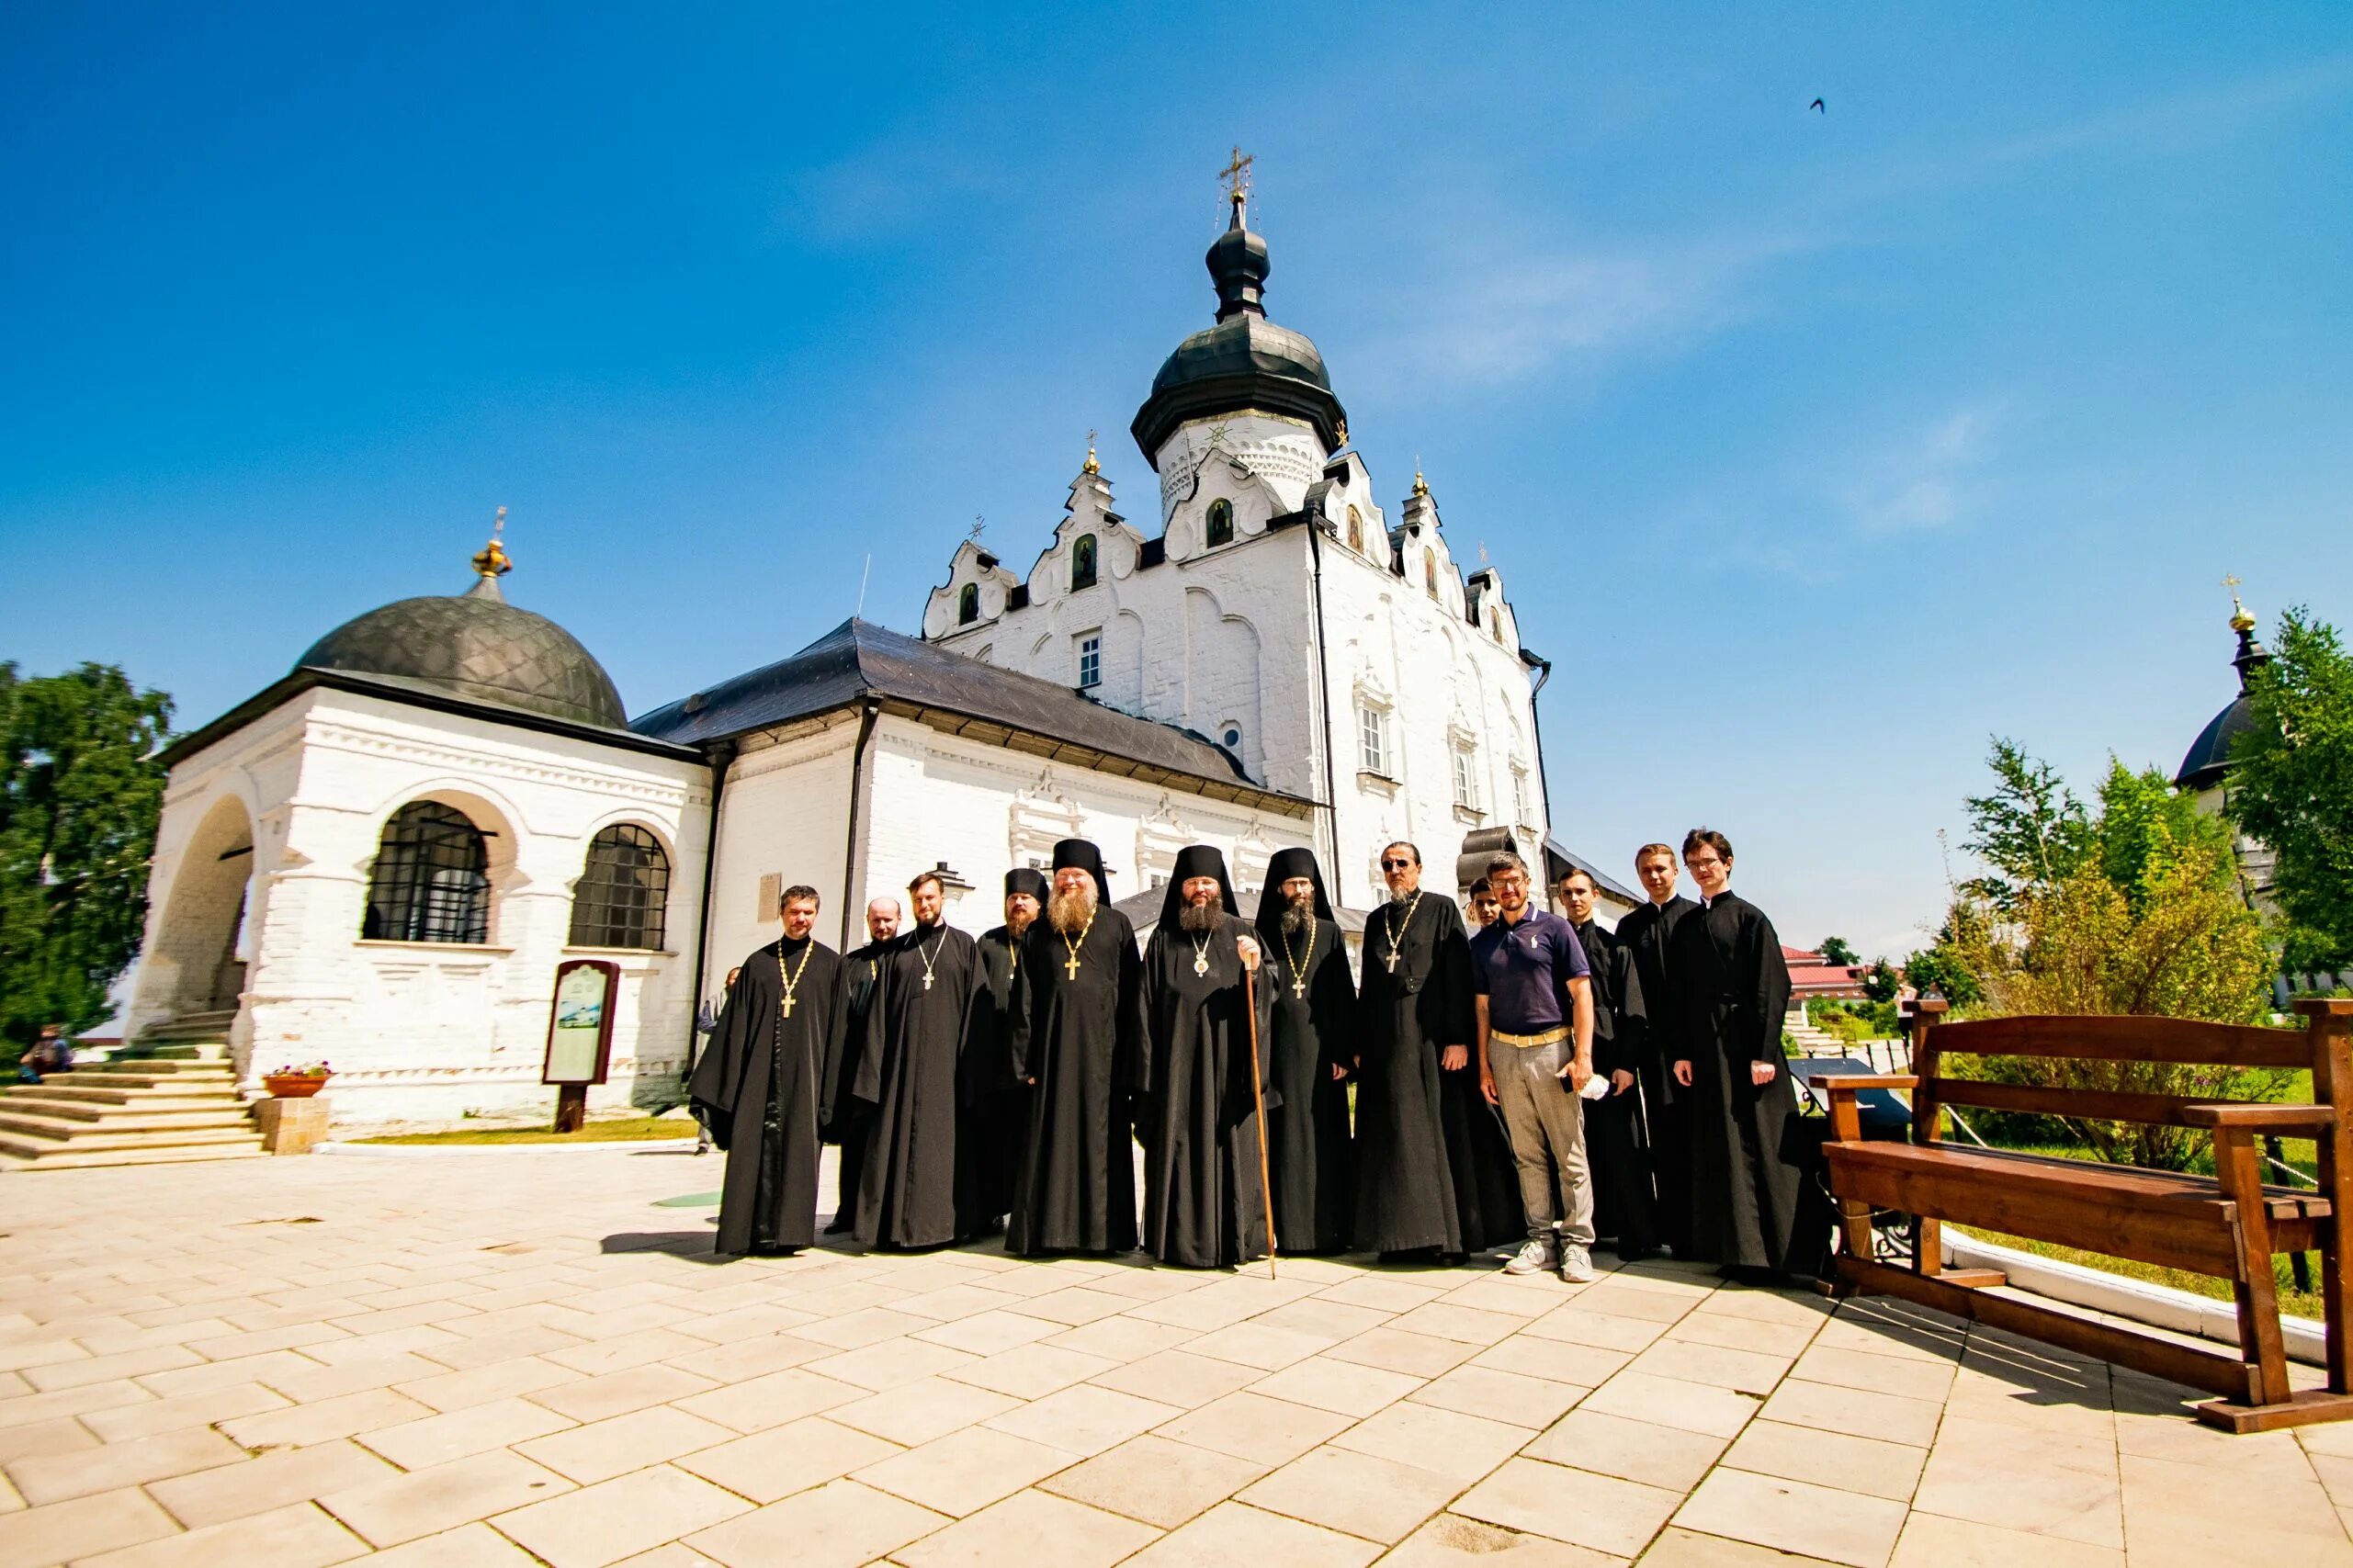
{"x": 1199, "y": 1094}
{"x": 1308, "y": 1050}
{"x": 1076, "y": 1045}
{"x": 992, "y": 1104}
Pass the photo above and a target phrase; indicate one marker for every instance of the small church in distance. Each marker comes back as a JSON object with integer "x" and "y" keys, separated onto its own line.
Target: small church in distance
{"x": 382, "y": 859}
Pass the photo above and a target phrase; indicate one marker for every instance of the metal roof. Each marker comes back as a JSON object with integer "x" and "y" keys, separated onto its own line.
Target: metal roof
{"x": 857, "y": 661}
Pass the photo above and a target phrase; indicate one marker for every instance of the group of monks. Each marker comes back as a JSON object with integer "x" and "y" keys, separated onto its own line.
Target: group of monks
{"x": 1005, "y": 1080}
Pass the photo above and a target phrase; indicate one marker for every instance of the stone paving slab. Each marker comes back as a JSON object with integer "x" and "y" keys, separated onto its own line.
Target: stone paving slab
{"x": 503, "y": 1359}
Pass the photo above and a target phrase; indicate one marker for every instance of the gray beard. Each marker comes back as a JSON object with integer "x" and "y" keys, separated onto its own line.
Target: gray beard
{"x": 1200, "y": 919}
{"x": 1070, "y": 912}
{"x": 1400, "y": 900}
{"x": 1299, "y": 919}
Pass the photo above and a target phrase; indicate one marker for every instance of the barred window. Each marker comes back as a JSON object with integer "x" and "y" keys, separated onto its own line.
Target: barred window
{"x": 1090, "y": 661}
{"x": 623, "y": 899}
{"x": 1372, "y": 739}
{"x": 431, "y": 881}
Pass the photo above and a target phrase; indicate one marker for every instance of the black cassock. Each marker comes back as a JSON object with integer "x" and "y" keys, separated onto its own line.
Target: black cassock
{"x": 1080, "y": 1036}
{"x": 1433, "y": 1167}
{"x": 758, "y": 1088}
{"x": 847, "y": 1120}
{"x": 931, "y": 1000}
{"x": 1196, "y": 1108}
{"x": 1625, "y": 1205}
{"x": 1648, "y": 932}
{"x": 992, "y": 1105}
{"x": 1306, "y": 1118}
{"x": 1728, "y": 991}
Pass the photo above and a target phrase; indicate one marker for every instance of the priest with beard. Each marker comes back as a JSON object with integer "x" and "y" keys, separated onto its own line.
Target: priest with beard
{"x": 931, "y": 1003}
{"x": 1202, "y": 1086}
{"x": 1308, "y": 1051}
{"x": 1434, "y": 1171}
{"x": 1728, "y": 992}
{"x": 992, "y": 1105}
{"x": 758, "y": 1085}
{"x": 849, "y": 1121}
{"x": 1625, "y": 1205}
{"x": 1648, "y": 933}
{"x": 1076, "y": 1045}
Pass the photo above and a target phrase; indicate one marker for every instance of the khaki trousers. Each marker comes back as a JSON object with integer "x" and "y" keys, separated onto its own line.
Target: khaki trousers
{"x": 1546, "y": 1123}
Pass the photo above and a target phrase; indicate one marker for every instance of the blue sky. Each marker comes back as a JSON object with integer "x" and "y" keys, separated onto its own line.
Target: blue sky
{"x": 1814, "y": 448}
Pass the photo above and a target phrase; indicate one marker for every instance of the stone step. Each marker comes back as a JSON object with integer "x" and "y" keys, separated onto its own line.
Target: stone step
{"x": 47, "y": 1124}
{"x": 215, "y": 1051}
{"x": 63, "y": 1157}
{"x": 35, "y": 1146}
{"x": 198, "y": 1027}
{"x": 183, "y": 1083}
{"x": 164, "y": 1096}
{"x": 184, "y": 1065}
{"x": 70, "y": 1110}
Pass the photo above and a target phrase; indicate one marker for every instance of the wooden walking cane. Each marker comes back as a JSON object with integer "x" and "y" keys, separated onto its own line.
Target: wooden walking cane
{"x": 1258, "y": 1098}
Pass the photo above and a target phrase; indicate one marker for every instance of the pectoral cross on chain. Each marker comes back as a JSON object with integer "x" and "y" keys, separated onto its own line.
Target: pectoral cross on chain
{"x": 1071, "y": 966}
{"x": 1392, "y": 961}
{"x": 788, "y": 1004}
{"x": 927, "y": 982}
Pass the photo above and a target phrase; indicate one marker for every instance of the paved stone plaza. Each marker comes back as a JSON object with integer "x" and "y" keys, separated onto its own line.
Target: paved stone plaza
{"x": 506, "y": 1357}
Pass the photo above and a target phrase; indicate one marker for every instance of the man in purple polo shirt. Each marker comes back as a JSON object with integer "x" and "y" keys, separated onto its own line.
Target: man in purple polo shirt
{"x": 1535, "y": 1046}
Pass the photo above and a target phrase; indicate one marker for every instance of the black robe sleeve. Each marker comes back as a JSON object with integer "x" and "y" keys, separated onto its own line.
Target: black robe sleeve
{"x": 1451, "y": 969}
{"x": 1772, "y": 985}
{"x": 744, "y": 1024}
{"x": 1129, "y": 1069}
{"x": 1332, "y": 994}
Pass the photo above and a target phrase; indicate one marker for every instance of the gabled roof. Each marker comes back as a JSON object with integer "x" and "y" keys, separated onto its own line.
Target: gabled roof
{"x": 858, "y": 660}
{"x": 1570, "y": 862}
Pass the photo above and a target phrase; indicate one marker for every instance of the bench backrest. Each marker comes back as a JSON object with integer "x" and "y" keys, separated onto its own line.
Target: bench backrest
{"x": 2321, "y": 1044}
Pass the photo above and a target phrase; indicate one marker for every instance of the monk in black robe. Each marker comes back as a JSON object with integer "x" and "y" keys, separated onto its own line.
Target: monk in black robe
{"x": 1625, "y": 1201}
{"x": 1648, "y": 933}
{"x": 849, "y": 1121}
{"x": 1203, "y": 1077}
{"x": 1434, "y": 1171}
{"x": 992, "y": 1105}
{"x": 930, "y": 1003}
{"x": 1076, "y": 1046}
{"x": 1729, "y": 990}
{"x": 757, "y": 1086}
{"x": 1310, "y": 1050}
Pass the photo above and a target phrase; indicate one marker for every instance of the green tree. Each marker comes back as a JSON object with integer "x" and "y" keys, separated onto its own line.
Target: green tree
{"x": 2144, "y": 829}
{"x": 2030, "y": 831}
{"x": 80, "y": 793}
{"x": 1836, "y": 950}
{"x": 1883, "y": 983}
{"x": 2291, "y": 787}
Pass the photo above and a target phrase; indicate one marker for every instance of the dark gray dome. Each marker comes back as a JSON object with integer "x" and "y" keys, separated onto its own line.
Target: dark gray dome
{"x": 476, "y": 645}
{"x": 1243, "y": 361}
{"x": 2209, "y": 754}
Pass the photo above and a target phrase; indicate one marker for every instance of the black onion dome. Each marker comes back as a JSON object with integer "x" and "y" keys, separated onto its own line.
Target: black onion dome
{"x": 1243, "y": 361}
{"x": 2209, "y": 754}
{"x": 476, "y": 645}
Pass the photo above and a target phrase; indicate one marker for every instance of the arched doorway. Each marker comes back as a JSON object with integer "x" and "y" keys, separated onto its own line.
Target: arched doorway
{"x": 198, "y": 959}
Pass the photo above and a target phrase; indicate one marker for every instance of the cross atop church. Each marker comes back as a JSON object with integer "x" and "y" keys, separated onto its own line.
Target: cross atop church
{"x": 491, "y": 560}
{"x": 979, "y": 525}
{"x": 1237, "y": 175}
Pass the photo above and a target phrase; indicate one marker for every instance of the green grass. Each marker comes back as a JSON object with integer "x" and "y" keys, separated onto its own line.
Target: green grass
{"x": 2293, "y": 1301}
{"x": 618, "y": 1129}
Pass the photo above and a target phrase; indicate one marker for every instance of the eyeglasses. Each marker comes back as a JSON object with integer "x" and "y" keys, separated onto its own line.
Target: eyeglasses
{"x": 1395, "y": 864}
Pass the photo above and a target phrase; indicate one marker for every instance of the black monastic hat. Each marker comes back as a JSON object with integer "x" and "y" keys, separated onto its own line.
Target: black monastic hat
{"x": 1287, "y": 865}
{"x": 1082, "y": 854}
{"x": 1026, "y": 879}
{"x": 1196, "y": 860}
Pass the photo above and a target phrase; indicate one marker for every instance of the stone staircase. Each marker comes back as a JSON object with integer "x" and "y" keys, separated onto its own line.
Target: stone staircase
{"x": 171, "y": 1097}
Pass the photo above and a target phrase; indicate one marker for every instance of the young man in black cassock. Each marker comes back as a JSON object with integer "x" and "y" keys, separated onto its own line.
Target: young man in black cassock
{"x": 1728, "y": 989}
{"x": 757, "y": 1086}
{"x": 931, "y": 1002}
{"x": 849, "y": 1121}
{"x": 1076, "y": 1045}
{"x": 1625, "y": 1202}
{"x": 1202, "y": 1076}
{"x": 1434, "y": 1171}
{"x": 1648, "y": 933}
{"x": 1307, "y": 1056}
{"x": 992, "y": 1105}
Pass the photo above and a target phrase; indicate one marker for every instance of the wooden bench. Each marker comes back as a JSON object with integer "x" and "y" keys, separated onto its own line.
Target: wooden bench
{"x": 2228, "y": 1225}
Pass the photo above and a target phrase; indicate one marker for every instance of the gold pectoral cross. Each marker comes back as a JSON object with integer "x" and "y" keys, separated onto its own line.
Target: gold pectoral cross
{"x": 1071, "y": 968}
{"x": 788, "y": 1004}
{"x": 1393, "y": 961}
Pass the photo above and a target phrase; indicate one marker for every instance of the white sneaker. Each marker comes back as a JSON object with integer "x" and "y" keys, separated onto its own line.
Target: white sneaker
{"x": 1533, "y": 1257}
{"x": 1576, "y": 1265}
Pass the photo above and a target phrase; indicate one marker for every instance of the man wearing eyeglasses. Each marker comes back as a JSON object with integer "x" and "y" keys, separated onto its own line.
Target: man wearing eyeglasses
{"x": 1535, "y": 1050}
{"x": 1728, "y": 990}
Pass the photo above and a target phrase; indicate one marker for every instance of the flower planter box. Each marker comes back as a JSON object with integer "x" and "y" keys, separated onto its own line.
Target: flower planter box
{"x": 294, "y": 1086}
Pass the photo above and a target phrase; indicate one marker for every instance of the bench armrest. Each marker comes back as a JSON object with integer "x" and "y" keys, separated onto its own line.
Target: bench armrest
{"x": 1850, "y": 1083}
{"x": 2262, "y": 1117}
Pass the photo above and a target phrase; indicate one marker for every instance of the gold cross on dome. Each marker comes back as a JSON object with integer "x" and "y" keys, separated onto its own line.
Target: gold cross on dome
{"x": 1237, "y": 175}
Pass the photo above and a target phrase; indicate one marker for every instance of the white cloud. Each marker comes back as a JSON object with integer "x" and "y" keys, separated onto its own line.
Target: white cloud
{"x": 1925, "y": 478}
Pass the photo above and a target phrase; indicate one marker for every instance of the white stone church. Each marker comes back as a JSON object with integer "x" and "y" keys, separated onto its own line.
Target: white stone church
{"x": 381, "y": 859}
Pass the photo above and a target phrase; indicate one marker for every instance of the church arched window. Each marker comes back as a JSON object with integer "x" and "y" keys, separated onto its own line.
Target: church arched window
{"x": 968, "y": 604}
{"x": 1356, "y": 530}
{"x": 1429, "y": 572}
{"x": 431, "y": 881}
{"x": 1221, "y": 523}
{"x": 1082, "y": 563}
{"x": 623, "y": 898}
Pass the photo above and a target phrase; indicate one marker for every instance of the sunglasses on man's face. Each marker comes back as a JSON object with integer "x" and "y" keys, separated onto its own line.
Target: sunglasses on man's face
{"x": 1395, "y": 864}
